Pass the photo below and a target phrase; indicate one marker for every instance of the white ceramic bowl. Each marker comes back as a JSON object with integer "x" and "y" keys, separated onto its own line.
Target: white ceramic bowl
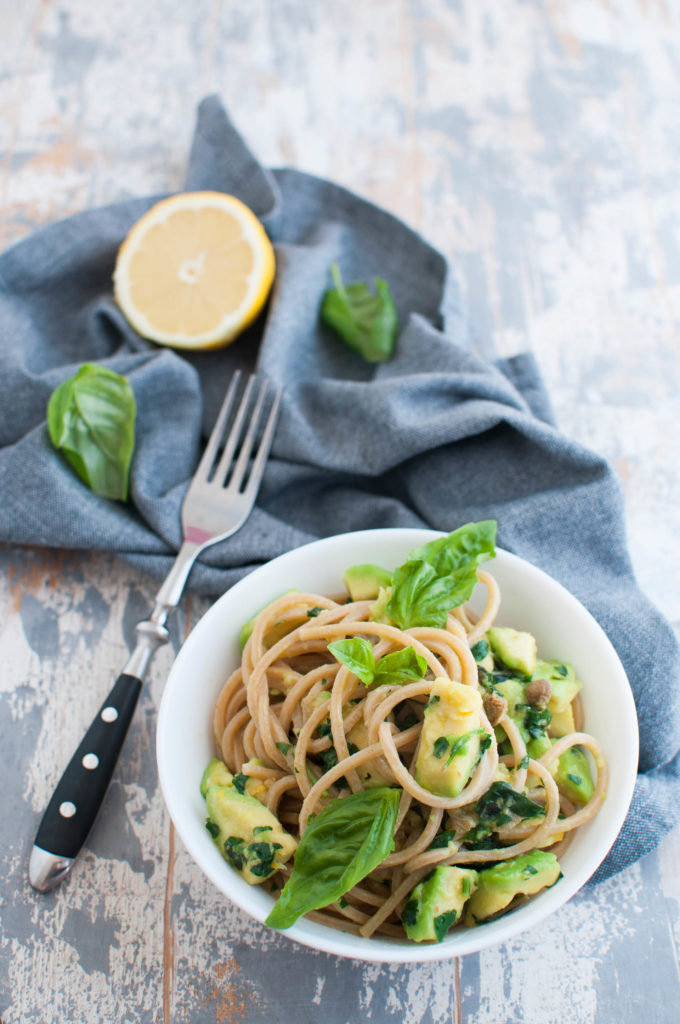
{"x": 531, "y": 600}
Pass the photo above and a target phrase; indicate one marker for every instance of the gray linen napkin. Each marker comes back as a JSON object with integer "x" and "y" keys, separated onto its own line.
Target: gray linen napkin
{"x": 435, "y": 437}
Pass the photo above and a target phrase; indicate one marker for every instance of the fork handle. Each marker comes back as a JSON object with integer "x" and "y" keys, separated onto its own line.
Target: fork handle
{"x": 80, "y": 792}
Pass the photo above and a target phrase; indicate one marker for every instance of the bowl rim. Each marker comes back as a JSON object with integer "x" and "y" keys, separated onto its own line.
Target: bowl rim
{"x": 381, "y": 949}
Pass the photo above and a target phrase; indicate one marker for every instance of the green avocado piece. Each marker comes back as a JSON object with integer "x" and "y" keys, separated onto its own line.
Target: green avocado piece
{"x": 573, "y": 776}
{"x": 497, "y": 886}
{"x": 247, "y": 834}
{"x": 216, "y": 774}
{"x": 363, "y": 582}
{"x": 514, "y": 691}
{"x": 515, "y": 649}
{"x": 451, "y": 738}
{"x": 437, "y": 902}
{"x": 563, "y": 681}
{"x": 571, "y": 772}
{"x": 554, "y": 670}
{"x": 378, "y": 610}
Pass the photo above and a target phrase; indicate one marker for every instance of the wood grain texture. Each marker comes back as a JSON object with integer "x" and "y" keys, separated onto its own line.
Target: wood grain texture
{"x": 537, "y": 144}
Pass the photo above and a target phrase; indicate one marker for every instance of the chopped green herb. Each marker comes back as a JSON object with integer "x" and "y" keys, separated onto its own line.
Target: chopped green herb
{"x": 212, "y": 828}
{"x": 284, "y": 748}
{"x": 441, "y": 841}
{"x": 480, "y": 650}
{"x": 529, "y": 869}
{"x": 239, "y": 782}
{"x": 536, "y": 720}
{"x": 260, "y": 857}
{"x": 233, "y": 853}
{"x": 479, "y": 838}
{"x": 261, "y": 828}
{"x": 443, "y": 922}
{"x": 409, "y": 914}
{"x": 524, "y": 763}
{"x": 457, "y": 744}
{"x": 432, "y": 701}
{"x": 576, "y": 779}
{"x": 441, "y": 745}
{"x": 328, "y": 758}
{"x": 501, "y": 803}
{"x": 313, "y": 612}
{"x": 342, "y": 902}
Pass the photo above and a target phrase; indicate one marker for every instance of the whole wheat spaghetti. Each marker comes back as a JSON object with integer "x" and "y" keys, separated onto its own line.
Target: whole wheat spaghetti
{"x": 301, "y": 730}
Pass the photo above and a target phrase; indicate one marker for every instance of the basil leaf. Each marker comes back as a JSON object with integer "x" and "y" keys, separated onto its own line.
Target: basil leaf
{"x": 357, "y": 654}
{"x": 440, "y": 575}
{"x": 501, "y": 803}
{"x": 399, "y": 667}
{"x": 394, "y": 668}
{"x": 419, "y": 597}
{"x": 339, "y": 847}
{"x": 473, "y": 543}
{"x": 91, "y": 419}
{"x": 366, "y": 320}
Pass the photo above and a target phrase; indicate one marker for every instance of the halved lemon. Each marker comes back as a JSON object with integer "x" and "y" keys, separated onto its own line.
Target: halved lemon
{"x": 194, "y": 271}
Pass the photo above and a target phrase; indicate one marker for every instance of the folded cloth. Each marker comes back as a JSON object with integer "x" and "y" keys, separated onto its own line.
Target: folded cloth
{"x": 435, "y": 437}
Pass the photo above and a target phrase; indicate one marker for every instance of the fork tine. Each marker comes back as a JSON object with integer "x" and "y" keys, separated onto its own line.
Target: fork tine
{"x": 241, "y": 464}
{"x": 233, "y": 436}
{"x": 212, "y": 447}
{"x": 265, "y": 445}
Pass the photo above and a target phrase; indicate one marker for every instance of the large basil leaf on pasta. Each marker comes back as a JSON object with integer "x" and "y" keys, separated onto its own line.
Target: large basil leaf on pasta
{"x": 440, "y": 575}
{"x": 339, "y": 847}
{"x": 399, "y": 667}
{"x": 392, "y": 669}
{"x": 91, "y": 420}
{"x": 357, "y": 654}
{"x": 467, "y": 547}
{"x": 420, "y": 597}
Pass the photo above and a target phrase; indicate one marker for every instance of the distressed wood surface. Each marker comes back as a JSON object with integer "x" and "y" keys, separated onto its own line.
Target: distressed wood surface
{"x": 538, "y": 146}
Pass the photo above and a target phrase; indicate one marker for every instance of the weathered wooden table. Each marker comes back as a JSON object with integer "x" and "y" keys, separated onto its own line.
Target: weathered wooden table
{"x": 538, "y": 146}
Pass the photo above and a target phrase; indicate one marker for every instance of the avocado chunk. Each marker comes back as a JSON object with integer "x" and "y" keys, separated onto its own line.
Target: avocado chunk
{"x": 521, "y": 876}
{"x": 452, "y": 739}
{"x": 247, "y": 834}
{"x": 562, "y": 722}
{"x": 515, "y": 649}
{"x": 483, "y": 655}
{"x": 378, "y": 610}
{"x": 563, "y": 682}
{"x": 573, "y": 776}
{"x": 554, "y": 670}
{"x": 216, "y": 774}
{"x": 437, "y": 902}
{"x": 363, "y": 582}
{"x": 571, "y": 772}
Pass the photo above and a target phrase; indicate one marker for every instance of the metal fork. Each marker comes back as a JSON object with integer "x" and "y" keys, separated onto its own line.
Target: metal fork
{"x": 220, "y": 497}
